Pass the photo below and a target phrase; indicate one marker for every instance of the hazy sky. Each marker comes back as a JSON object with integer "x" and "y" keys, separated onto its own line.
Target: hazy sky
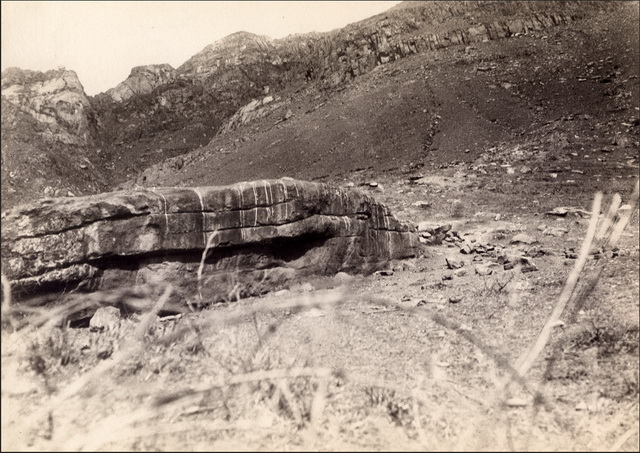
{"x": 102, "y": 40}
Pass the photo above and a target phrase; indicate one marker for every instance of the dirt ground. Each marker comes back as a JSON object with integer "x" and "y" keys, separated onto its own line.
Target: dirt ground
{"x": 489, "y": 140}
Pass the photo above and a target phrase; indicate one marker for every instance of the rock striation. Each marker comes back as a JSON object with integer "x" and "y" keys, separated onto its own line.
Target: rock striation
{"x": 258, "y": 235}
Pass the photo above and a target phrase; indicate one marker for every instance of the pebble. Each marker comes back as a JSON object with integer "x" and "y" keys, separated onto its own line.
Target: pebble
{"x": 460, "y": 272}
{"x": 523, "y": 238}
{"x": 385, "y": 272}
{"x": 343, "y": 277}
{"x": 453, "y": 264}
{"x": 105, "y": 318}
{"x": 516, "y": 402}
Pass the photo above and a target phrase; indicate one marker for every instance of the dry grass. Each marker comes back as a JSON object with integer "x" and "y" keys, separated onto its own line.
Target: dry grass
{"x": 247, "y": 389}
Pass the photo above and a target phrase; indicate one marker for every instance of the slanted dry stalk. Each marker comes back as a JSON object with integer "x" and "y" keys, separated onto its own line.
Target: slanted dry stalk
{"x": 526, "y": 361}
{"x": 254, "y": 376}
{"x": 569, "y": 291}
{"x": 93, "y": 375}
{"x": 208, "y": 245}
{"x": 6, "y": 293}
{"x": 488, "y": 350}
{"x": 624, "y": 220}
{"x": 318, "y": 299}
{"x": 623, "y": 439}
{"x": 6, "y": 310}
{"x": 607, "y": 223}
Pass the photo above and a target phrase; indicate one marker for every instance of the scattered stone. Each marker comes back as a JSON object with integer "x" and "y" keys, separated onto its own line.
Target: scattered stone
{"x": 48, "y": 191}
{"x": 455, "y": 300}
{"x": 421, "y": 302}
{"x": 404, "y": 266}
{"x": 516, "y": 402}
{"x": 421, "y": 204}
{"x": 460, "y": 272}
{"x": 385, "y": 272}
{"x": 570, "y": 253}
{"x": 562, "y": 211}
{"x": 557, "y": 232}
{"x": 313, "y": 312}
{"x": 453, "y": 264}
{"x": 466, "y": 249}
{"x": 582, "y": 406}
{"x": 305, "y": 288}
{"x": 105, "y": 318}
{"x": 524, "y": 239}
{"x": 483, "y": 269}
{"x": 343, "y": 277}
{"x": 373, "y": 184}
{"x": 447, "y": 276}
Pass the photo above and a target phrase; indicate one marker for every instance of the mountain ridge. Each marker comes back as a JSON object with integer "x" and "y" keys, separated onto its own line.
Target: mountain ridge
{"x": 159, "y": 112}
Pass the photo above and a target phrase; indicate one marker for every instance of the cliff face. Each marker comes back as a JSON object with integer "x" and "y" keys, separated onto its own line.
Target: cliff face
{"x": 143, "y": 80}
{"x": 55, "y": 99}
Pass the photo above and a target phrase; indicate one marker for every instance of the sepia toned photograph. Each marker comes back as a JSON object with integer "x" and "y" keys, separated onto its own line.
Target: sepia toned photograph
{"x": 320, "y": 226}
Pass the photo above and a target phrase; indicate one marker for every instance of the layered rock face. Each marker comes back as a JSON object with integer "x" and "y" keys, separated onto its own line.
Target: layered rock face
{"x": 258, "y": 235}
{"x": 410, "y": 28}
{"x": 143, "y": 80}
{"x": 56, "y": 99}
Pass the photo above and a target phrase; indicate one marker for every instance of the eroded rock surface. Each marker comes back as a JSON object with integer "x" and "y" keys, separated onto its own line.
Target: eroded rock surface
{"x": 143, "y": 80}
{"x": 56, "y": 99}
{"x": 260, "y": 234}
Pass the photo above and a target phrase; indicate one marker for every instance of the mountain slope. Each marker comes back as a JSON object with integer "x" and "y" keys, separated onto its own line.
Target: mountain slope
{"x": 160, "y": 113}
{"x": 564, "y": 90}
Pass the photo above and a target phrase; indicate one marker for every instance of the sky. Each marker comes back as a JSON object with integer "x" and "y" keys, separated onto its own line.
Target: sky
{"x": 101, "y": 41}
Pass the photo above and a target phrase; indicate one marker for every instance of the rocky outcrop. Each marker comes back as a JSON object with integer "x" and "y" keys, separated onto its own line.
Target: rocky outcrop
{"x": 252, "y": 111}
{"x": 143, "y": 80}
{"x": 413, "y": 27}
{"x": 260, "y": 234}
{"x": 56, "y": 99}
{"x": 333, "y": 58}
{"x": 240, "y": 48}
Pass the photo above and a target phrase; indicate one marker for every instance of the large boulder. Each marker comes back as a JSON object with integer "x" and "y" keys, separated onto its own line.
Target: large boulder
{"x": 258, "y": 235}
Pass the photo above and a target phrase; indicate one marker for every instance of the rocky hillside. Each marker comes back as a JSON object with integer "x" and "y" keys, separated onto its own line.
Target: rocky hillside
{"x": 160, "y": 113}
{"x": 143, "y": 80}
{"x": 48, "y": 130}
{"x": 56, "y": 99}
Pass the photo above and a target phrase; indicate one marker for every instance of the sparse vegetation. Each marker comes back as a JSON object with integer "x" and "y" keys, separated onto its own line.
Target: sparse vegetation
{"x": 508, "y": 345}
